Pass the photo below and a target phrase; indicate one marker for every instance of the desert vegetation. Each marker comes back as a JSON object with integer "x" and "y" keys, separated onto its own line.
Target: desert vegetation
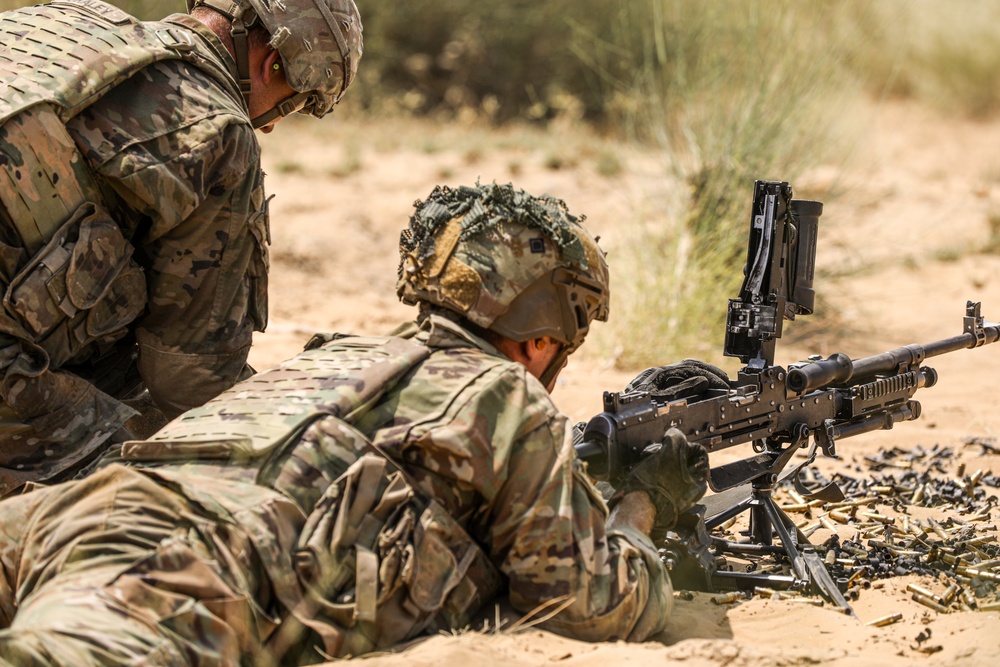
{"x": 723, "y": 92}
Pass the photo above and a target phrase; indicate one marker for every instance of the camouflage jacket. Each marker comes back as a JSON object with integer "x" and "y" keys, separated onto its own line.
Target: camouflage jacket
{"x": 174, "y": 156}
{"x": 482, "y": 436}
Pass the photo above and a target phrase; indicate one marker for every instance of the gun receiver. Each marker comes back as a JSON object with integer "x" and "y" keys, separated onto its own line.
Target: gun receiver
{"x": 828, "y": 399}
{"x": 778, "y": 411}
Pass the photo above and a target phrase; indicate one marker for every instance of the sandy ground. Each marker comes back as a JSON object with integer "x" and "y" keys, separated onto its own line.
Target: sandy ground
{"x": 900, "y": 227}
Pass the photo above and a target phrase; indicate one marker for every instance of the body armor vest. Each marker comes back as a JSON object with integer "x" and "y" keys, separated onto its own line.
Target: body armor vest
{"x": 66, "y": 270}
{"x": 78, "y": 50}
{"x": 74, "y": 62}
{"x": 252, "y": 430}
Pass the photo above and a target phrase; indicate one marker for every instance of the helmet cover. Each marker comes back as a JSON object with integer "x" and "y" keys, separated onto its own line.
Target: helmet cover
{"x": 507, "y": 261}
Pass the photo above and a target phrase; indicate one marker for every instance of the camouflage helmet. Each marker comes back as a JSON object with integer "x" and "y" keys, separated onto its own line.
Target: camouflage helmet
{"x": 519, "y": 265}
{"x": 320, "y": 43}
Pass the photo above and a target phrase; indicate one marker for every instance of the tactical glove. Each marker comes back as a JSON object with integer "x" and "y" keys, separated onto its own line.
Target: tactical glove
{"x": 685, "y": 379}
{"x": 674, "y": 473}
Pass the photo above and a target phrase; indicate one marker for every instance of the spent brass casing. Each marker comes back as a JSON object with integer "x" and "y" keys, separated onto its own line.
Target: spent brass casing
{"x": 885, "y": 620}
{"x": 769, "y": 593}
{"x": 808, "y": 531}
{"x": 858, "y": 573}
{"x": 815, "y": 602}
{"x": 795, "y": 507}
{"x": 978, "y": 574}
{"x": 920, "y": 590}
{"x": 904, "y": 552}
{"x": 729, "y": 598}
{"x": 840, "y": 517}
{"x": 968, "y": 597}
{"x": 943, "y": 556}
{"x": 938, "y": 530}
{"x": 980, "y": 554}
{"x": 880, "y": 518}
{"x": 930, "y": 603}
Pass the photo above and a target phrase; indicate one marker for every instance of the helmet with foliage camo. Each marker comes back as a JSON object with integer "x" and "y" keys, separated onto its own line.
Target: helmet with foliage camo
{"x": 319, "y": 41}
{"x": 519, "y": 265}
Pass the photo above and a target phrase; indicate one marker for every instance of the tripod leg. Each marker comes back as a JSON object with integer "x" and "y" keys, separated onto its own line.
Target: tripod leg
{"x": 781, "y": 523}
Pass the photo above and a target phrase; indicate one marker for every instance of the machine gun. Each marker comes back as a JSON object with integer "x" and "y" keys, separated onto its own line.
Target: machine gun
{"x": 813, "y": 403}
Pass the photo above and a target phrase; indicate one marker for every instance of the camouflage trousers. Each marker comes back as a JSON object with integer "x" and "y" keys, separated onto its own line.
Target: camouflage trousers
{"x": 118, "y": 569}
{"x": 51, "y": 422}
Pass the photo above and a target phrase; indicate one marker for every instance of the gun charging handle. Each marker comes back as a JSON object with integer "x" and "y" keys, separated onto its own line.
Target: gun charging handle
{"x": 837, "y": 368}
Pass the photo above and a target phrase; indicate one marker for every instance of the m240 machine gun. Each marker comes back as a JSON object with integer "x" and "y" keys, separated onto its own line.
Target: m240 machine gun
{"x": 778, "y": 411}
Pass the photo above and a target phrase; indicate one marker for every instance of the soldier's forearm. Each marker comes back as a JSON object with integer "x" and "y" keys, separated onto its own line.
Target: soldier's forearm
{"x": 635, "y": 510}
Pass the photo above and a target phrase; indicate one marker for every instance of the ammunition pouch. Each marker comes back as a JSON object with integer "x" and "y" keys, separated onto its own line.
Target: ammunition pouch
{"x": 81, "y": 288}
{"x": 382, "y": 563}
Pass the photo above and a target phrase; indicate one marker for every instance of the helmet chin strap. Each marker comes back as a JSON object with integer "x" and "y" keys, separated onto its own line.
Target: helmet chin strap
{"x": 287, "y": 106}
{"x": 240, "y": 21}
{"x": 550, "y": 373}
{"x": 240, "y": 18}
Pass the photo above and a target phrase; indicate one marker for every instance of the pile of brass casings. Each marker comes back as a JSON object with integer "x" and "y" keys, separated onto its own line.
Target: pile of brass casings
{"x": 876, "y": 531}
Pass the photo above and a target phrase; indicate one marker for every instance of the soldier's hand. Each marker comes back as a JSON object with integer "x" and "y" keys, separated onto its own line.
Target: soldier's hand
{"x": 674, "y": 473}
{"x": 685, "y": 379}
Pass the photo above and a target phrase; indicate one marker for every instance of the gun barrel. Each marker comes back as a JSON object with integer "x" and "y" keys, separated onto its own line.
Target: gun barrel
{"x": 991, "y": 334}
{"x": 888, "y": 362}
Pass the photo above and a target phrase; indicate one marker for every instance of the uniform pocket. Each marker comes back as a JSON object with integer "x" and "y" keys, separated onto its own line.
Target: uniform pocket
{"x": 81, "y": 287}
{"x": 451, "y": 576}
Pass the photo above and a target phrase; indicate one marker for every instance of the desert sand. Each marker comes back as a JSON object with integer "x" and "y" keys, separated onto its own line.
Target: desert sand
{"x": 902, "y": 222}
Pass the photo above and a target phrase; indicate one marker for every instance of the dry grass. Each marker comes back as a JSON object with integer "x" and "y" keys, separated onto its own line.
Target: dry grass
{"x": 726, "y": 91}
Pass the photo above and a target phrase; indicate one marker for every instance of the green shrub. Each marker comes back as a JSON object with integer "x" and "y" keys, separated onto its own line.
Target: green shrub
{"x": 737, "y": 91}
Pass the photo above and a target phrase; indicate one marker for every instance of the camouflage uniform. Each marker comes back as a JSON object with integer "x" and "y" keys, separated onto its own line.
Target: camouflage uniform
{"x": 230, "y": 539}
{"x": 483, "y": 437}
{"x": 167, "y": 253}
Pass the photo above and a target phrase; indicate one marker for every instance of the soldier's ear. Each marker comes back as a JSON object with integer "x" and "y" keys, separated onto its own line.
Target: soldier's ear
{"x": 272, "y": 67}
